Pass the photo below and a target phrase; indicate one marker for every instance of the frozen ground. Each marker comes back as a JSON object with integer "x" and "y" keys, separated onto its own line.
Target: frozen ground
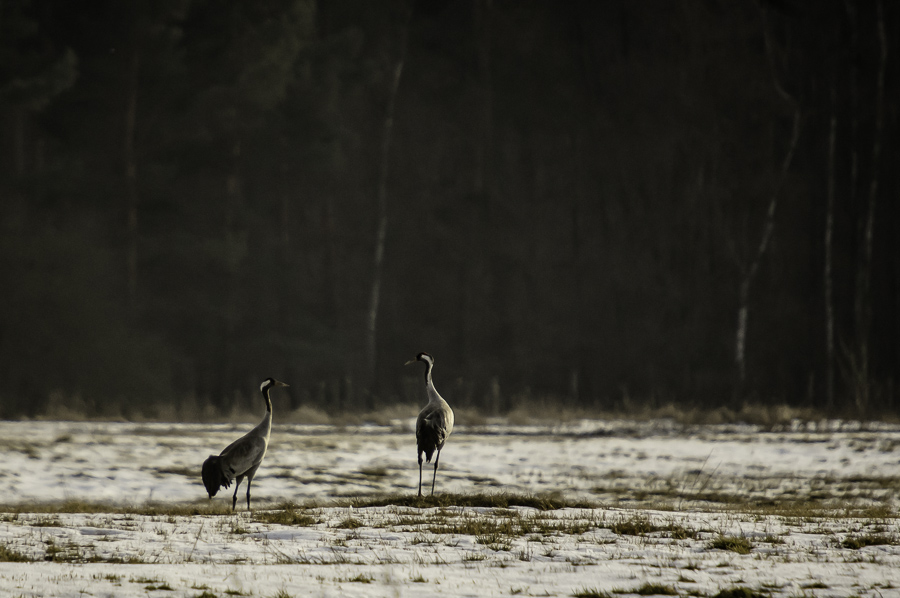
{"x": 812, "y": 506}
{"x": 613, "y": 463}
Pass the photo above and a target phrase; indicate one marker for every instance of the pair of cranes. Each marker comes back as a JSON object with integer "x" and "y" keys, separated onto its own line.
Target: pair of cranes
{"x": 242, "y": 458}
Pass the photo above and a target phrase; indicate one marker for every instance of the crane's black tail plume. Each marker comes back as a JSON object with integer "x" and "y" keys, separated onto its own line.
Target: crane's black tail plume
{"x": 212, "y": 475}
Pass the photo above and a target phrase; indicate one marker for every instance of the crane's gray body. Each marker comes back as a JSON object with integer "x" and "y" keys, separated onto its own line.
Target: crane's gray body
{"x": 434, "y": 423}
{"x": 241, "y": 458}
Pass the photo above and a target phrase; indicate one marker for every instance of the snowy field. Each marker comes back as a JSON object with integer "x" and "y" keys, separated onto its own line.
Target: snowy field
{"x": 118, "y": 509}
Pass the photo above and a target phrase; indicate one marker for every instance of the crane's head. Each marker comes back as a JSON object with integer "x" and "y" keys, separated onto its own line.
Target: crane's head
{"x": 269, "y": 383}
{"x": 426, "y": 357}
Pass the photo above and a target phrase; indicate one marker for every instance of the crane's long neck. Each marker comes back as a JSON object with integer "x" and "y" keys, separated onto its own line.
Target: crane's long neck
{"x": 268, "y": 400}
{"x": 429, "y": 383}
{"x": 265, "y": 426}
{"x": 428, "y": 366}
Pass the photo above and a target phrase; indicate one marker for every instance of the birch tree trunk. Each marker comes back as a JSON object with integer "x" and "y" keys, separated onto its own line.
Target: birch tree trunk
{"x": 749, "y": 271}
{"x": 18, "y": 118}
{"x": 854, "y": 100}
{"x": 482, "y": 146}
{"x": 828, "y": 274}
{"x": 863, "y": 299}
{"x": 232, "y": 257}
{"x": 131, "y": 189}
{"x": 483, "y": 16}
{"x": 381, "y": 207}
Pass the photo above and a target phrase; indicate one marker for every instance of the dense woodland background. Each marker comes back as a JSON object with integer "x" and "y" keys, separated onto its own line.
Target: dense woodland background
{"x": 603, "y": 203}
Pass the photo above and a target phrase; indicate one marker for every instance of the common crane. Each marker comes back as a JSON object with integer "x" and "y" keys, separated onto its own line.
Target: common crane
{"x": 241, "y": 458}
{"x": 434, "y": 424}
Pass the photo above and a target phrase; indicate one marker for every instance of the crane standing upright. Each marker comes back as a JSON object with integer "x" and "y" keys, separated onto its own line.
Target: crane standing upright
{"x": 434, "y": 424}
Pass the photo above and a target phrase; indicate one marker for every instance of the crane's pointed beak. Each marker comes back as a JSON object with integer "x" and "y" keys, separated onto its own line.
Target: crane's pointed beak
{"x": 279, "y": 383}
{"x": 410, "y": 361}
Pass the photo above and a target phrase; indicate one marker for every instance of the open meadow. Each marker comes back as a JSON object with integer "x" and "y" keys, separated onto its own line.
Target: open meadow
{"x": 587, "y": 508}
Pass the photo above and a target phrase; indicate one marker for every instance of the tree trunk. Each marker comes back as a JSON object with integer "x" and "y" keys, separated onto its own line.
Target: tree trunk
{"x": 740, "y": 343}
{"x": 381, "y": 207}
{"x": 828, "y": 274}
{"x": 579, "y": 361}
{"x": 749, "y": 272}
{"x": 131, "y": 189}
{"x": 233, "y": 258}
{"x": 482, "y": 144}
{"x": 332, "y": 266}
{"x": 485, "y": 126}
{"x": 19, "y": 118}
{"x": 863, "y": 299}
{"x": 285, "y": 237}
{"x": 854, "y": 102}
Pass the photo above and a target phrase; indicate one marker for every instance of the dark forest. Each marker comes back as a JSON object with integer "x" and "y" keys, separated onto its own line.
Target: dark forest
{"x": 599, "y": 204}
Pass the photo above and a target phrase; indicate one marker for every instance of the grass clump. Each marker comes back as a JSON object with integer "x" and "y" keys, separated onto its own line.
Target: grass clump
{"x": 737, "y": 544}
{"x": 8, "y": 555}
{"x": 495, "y": 541}
{"x": 815, "y": 585}
{"x": 286, "y": 516}
{"x": 47, "y": 522}
{"x": 809, "y": 510}
{"x": 740, "y": 592}
{"x": 638, "y": 525}
{"x": 651, "y": 589}
{"x": 591, "y": 593}
{"x": 496, "y": 534}
{"x": 349, "y": 523}
{"x": 498, "y": 500}
{"x": 61, "y": 554}
{"x": 501, "y": 527}
{"x": 679, "y": 532}
{"x": 151, "y": 509}
{"x": 857, "y": 542}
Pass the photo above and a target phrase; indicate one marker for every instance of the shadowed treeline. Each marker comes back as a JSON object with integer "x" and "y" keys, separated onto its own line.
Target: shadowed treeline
{"x": 593, "y": 202}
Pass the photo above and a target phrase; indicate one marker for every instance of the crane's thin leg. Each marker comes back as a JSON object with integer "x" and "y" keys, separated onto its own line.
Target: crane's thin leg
{"x": 249, "y": 480}
{"x": 237, "y": 484}
{"x": 420, "y": 474}
{"x": 436, "y": 459}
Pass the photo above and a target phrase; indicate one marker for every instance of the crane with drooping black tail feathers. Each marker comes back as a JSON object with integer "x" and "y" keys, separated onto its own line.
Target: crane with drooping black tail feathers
{"x": 242, "y": 457}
